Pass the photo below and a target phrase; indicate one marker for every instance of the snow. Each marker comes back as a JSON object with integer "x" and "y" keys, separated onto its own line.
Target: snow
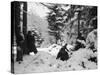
{"x": 70, "y": 47}
{"x": 53, "y": 49}
{"x": 92, "y": 39}
{"x": 44, "y": 61}
{"x": 82, "y": 56}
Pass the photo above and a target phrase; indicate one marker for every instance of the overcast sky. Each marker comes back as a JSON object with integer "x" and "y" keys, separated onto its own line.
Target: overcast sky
{"x": 38, "y": 9}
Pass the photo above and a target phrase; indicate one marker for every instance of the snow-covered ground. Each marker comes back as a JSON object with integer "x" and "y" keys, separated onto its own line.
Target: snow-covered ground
{"x": 53, "y": 49}
{"x": 45, "y": 61}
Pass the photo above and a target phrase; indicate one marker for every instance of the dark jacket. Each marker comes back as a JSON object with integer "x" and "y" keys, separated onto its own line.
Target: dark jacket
{"x": 63, "y": 54}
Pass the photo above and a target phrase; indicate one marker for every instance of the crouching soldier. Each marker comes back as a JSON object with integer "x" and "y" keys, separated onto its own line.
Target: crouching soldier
{"x": 80, "y": 42}
{"x": 63, "y": 53}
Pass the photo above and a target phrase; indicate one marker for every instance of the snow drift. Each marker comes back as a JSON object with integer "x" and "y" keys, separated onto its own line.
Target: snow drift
{"x": 82, "y": 59}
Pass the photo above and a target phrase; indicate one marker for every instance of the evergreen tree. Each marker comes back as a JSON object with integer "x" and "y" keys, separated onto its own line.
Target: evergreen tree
{"x": 56, "y": 21}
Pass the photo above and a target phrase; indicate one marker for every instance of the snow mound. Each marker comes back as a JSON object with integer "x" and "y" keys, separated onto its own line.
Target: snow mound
{"x": 45, "y": 62}
{"x": 80, "y": 60}
{"x": 91, "y": 39}
{"x": 53, "y": 49}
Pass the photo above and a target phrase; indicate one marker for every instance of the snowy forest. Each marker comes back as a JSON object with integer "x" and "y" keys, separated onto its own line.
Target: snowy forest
{"x": 65, "y": 38}
{"x": 66, "y": 23}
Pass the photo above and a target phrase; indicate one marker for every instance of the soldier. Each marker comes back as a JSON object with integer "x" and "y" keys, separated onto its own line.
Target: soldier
{"x": 31, "y": 43}
{"x": 20, "y": 41}
{"x": 63, "y": 53}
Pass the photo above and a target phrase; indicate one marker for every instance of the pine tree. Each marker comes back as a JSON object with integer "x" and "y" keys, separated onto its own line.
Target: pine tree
{"x": 56, "y": 21}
